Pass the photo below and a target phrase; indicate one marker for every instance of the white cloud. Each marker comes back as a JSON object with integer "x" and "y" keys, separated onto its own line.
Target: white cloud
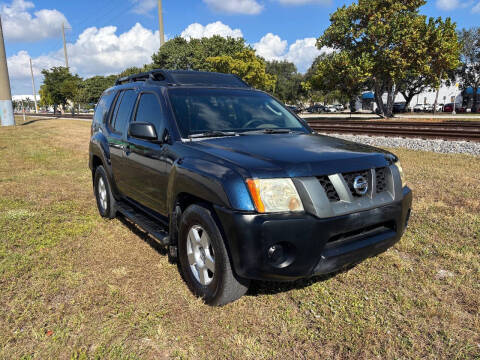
{"x": 96, "y": 52}
{"x": 102, "y": 51}
{"x": 303, "y": 2}
{"x": 448, "y": 5}
{"x": 197, "y": 31}
{"x": 144, "y": 6}
{"x": 301, "y": 53}
{"x": 271, "y": 47}
{"x": 476, "y": 9}
{"x": 19, "y": 24}
{"x": 246, "y": 7}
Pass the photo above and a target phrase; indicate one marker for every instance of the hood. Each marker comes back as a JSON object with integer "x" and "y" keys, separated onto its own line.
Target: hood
{"x": 292, "y": 155}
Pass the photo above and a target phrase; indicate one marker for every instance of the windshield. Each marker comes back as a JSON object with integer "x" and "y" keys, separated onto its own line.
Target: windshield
{"x": 200, "y": 111}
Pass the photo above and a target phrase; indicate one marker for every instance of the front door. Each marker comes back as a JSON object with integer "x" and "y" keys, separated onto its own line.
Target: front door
{"x": 146, "y": 159}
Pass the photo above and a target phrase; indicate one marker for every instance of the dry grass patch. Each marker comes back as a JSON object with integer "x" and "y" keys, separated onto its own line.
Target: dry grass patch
{"x": 77, "y": 286}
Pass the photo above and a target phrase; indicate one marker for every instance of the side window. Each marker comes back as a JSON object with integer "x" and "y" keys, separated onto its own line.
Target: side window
{"x": 149, "y": 110}
{"x": 102, "y": 107}
{"x": 121, "y": 115}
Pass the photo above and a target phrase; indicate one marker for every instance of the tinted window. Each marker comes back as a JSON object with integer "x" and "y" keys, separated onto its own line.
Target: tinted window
{"x": 149, "y": 110}
{"x": 103, "y": 106}
{"x": 201, "y": 110}
{"x": 122, "y": 115}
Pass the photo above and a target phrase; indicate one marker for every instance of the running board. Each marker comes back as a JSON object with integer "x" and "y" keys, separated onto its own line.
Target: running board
{"x": 145, "y": 222}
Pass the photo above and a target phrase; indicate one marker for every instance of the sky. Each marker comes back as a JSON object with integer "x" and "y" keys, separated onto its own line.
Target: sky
{"x": 105, "y": 37}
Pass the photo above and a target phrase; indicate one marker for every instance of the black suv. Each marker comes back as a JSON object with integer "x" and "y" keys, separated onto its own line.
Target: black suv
{"x": 236, "y": 185}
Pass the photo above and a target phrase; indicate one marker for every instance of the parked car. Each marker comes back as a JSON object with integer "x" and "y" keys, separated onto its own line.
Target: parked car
{"x": 316, "y": 109}
{"x": 331, "y": 109}
{"x": 428, "y": 108}
{"x": 339, "y": 107}
{"x": 419, "y": 108}
{"x": 294, "y": 108}
{"x": 399, "y": 107}
{"x": 459, "y": 108}
{"x": 236, "y": 186}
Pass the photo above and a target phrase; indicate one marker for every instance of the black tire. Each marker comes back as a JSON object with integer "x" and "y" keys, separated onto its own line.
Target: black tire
{"x": 109, "y": 209}
{"x": 225, "y": 286}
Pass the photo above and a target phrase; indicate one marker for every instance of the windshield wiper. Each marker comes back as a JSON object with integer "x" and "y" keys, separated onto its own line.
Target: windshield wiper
{"x": 215, "y": 133}
{"x": 267, "y": 131}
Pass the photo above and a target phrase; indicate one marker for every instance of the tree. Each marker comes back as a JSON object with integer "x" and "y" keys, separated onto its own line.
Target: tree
{"x": 288, "y": 86}
{"x": 469, "y": 71}
{"x": 92, "y": 88}
{"x": 328, "y": 69}
{"x": 58, "y": 87}
{"x": 412, "y": 85}
{"x": 393, "y": 41}
{"x": 246, "y": 65}
{"x": 181, "y": 54}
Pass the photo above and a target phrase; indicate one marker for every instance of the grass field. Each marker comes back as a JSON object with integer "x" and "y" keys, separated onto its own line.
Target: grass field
{"x": 75, "y": 286}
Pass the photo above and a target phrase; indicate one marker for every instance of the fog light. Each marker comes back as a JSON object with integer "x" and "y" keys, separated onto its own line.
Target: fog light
{"x": 276, "y": 254}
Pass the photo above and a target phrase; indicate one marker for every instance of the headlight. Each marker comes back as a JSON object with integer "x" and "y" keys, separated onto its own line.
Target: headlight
{"x": 274, "y": 195}
{"x": 402, "y": 175}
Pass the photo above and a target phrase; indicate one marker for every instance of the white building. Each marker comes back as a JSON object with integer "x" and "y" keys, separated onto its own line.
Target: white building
{"x": 447, "y": 94}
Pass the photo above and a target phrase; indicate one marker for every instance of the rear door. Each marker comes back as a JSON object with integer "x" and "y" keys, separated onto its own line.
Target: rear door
{"x": 117, "y": 127}
{"x": 146, "y": 159}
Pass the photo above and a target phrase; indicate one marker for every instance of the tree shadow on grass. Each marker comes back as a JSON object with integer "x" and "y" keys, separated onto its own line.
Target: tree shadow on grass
{"x": 34, "y": 121}
{"x": 152, "y": 242}
{"x": 274, "y": 287}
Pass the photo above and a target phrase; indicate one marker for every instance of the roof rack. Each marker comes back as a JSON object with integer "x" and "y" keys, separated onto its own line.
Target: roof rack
{"x": 187, "y": 78}
{"x": 155, "y": 75}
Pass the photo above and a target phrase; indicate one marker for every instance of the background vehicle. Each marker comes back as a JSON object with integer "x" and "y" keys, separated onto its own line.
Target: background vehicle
{"x": 399, "y": 107}
{"x": 316, "y": 109}
{"x": 419, "y": 108}
{"x": 339, "y": 107}
{"x": 236, "y": 186}
{"x": 331, "y": 109}
{"x": 459, "y": 108}
{"x": 428, "y": 108}
{"x": 294, "y": 108}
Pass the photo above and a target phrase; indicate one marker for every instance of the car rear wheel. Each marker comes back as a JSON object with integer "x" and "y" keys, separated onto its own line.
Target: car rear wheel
{"x": 105, "y": 201}
{"x": 204, "y": 260}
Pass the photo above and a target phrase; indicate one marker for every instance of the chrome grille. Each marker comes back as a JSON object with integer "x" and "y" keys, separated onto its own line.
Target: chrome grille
{"x": 381, "y": 177}
{"x": 329, "y": 188}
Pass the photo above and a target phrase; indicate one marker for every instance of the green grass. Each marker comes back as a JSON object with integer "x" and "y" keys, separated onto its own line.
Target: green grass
{"x": 75, "y": 286}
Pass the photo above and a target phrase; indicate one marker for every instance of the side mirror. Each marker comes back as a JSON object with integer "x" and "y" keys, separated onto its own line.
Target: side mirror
{"x": 143, "y": 131}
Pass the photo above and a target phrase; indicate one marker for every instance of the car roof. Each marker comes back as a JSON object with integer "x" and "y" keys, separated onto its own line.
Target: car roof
{"x": 185, "y": 78}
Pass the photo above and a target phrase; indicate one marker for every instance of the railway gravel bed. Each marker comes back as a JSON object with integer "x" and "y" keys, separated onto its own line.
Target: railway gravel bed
{"x": 438, "y": 146}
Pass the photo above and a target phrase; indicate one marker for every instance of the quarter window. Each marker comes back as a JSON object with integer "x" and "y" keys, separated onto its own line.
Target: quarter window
{"x": 102, "y": 107}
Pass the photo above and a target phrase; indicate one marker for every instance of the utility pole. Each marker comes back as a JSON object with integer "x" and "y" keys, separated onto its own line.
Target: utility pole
{"x": 33, "y": 87}
{"x": 6, "y": 108}
{"x": 65, "y": 45}
{"x": 160, "y": 23}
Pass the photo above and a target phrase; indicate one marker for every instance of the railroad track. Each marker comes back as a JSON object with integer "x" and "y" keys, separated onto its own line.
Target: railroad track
{"x": 447, "y": 130}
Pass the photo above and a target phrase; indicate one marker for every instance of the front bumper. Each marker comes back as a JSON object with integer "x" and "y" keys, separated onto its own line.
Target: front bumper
{"x": 309, "y": 245}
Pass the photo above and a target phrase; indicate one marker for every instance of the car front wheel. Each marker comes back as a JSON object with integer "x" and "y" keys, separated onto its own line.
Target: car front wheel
{"x": 204, "y": 260}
